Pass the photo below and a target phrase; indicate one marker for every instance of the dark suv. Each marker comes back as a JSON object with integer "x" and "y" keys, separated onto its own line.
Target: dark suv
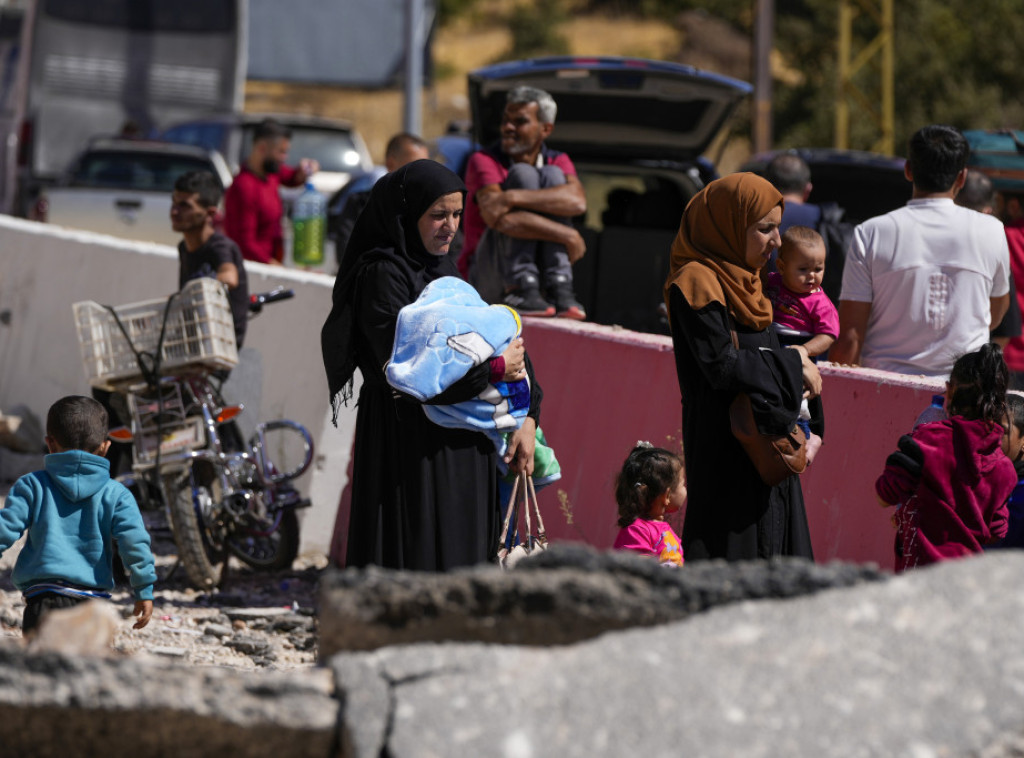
{"x": 863, "y": 184}
{"x": 635, "y": 129}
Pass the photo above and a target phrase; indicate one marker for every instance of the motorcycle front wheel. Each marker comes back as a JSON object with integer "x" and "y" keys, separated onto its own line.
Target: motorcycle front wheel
{"x": 200, "y": 549}
{"x": 270, "y": 546}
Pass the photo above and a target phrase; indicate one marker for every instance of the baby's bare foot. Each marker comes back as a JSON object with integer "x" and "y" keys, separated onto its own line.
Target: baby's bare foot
{"x": 814, "y": 443}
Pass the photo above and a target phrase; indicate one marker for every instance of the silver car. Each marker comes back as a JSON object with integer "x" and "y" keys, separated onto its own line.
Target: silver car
{"x": 123, "y": 188}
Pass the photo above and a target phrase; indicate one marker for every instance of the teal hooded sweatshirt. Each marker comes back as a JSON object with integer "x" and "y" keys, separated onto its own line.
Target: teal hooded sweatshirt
{"x": 71, "y": 510}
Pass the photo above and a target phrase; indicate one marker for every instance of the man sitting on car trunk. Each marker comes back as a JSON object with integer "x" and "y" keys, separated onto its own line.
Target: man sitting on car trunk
{"x": 520, "y": 243}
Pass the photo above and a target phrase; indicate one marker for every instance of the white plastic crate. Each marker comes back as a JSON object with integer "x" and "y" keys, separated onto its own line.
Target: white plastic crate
{"x": 200, "y": 332}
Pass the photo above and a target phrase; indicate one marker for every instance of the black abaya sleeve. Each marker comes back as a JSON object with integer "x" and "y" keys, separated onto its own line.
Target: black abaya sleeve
{"x": 382, "y": 294}
{"x": 771, "y": 374}
{"x": 536, "y": 393}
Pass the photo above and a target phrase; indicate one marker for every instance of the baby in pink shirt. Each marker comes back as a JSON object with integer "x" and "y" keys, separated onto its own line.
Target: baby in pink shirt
{"x": 651, "y": 484}
{"x": 802, "y": 314}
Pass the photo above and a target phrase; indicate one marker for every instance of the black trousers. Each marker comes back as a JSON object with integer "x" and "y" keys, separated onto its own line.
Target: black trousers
{"x": 37, "y": 607}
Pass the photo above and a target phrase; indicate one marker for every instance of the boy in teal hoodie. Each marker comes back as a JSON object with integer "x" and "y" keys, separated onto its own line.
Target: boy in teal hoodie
{"x": 72, "y": 511}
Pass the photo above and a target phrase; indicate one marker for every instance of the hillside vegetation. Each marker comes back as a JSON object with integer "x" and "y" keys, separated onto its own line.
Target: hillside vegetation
{"x": 957, "y": 61}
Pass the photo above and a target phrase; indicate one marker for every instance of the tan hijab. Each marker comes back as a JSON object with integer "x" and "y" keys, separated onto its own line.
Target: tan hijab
{"x": 709, "y": 252}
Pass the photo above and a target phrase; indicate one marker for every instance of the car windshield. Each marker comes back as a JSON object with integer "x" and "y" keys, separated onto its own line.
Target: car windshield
{"x": 333, "y": 149}
{"x": 155, "y": 172}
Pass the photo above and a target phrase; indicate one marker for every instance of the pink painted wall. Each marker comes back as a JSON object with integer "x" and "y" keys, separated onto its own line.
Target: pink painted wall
{"x": 605, "y": 388}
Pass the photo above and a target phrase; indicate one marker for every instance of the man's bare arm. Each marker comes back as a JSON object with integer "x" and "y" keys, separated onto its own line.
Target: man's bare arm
{"x": 228, "y": 273}
{"x": 999, "y": 305}
{"x": 564, "y": 200}
{"x": 853, "y": 324}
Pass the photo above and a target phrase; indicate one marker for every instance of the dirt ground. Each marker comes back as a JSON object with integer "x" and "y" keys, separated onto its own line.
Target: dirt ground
{"x": 254, "y": 620}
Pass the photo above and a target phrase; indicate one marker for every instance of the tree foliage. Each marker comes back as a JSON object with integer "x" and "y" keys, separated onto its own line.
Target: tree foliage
{"x": 957, "y": 61}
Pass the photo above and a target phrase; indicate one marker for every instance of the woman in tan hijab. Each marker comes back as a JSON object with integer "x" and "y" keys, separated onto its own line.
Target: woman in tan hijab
{"x": 726, "y": 236}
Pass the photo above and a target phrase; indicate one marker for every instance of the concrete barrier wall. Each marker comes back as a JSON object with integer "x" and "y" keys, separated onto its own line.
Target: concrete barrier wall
{"x": 604, "y": 392}
{"x": 44, "y": 269}
{"x": 605, "y": 388}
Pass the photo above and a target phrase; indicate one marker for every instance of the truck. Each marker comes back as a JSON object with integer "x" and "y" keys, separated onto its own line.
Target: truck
{"x": 79, "y": 70}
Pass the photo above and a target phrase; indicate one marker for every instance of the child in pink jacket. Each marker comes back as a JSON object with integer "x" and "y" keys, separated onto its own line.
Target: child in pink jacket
{"x": 950, "y": 479}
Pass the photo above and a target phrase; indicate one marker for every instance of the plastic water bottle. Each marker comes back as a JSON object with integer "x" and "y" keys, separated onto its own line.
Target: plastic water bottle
{"x": 934, "y": 412}
{"x": 309, "y": 219}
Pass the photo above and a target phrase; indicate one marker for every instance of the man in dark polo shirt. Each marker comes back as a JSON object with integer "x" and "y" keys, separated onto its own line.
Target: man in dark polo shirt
{"x": 204, "y": 252}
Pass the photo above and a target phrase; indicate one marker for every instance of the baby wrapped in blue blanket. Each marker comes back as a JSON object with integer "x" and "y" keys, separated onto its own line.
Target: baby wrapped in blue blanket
{"x": 447, "y": 331}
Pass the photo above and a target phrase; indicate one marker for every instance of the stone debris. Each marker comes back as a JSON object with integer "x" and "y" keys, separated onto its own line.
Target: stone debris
{"x": 203, "y": 627}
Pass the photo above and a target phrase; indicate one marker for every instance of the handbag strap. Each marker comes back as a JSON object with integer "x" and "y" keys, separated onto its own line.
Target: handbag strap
{"x": 526, "y": 500}
{"x": 541, "y": 534}
{"x": 511, "y": 516}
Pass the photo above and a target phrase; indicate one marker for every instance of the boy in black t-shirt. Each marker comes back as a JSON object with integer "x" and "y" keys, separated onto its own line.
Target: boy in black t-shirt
{"x": 204, "y": 252}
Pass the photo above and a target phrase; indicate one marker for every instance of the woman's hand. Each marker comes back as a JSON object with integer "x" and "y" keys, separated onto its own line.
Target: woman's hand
{"x": 519, "y": 456}
{"x": 812, "y": 379}
{"x": 515, "y": 361}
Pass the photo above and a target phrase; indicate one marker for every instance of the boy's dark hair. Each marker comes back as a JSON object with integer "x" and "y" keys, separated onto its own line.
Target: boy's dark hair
{"x": 978, "y": 381}
{"x": 201, "y": 183}
{"x": 77, "y": 422}
{"x": 647, "y": 473}
{"x": 269, "y": 129}
{"x": 799, "y": 236}
{"x": 788, "y": 173}
{"x": 937, "y": 154}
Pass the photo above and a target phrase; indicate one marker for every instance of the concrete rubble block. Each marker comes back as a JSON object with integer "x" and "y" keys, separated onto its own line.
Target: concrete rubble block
{"x": 569, "y": 593}
{"x": 928, "y": 664}
{"x": 57, "y": 706}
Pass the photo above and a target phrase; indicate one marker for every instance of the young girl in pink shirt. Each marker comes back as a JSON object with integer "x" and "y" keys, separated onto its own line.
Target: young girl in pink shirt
{"x": 651, "y": 484}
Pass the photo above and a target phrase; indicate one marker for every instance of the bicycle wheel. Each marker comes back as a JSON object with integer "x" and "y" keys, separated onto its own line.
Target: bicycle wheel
{"x": 271, "y": 546}
{"x": 201, "y": 551}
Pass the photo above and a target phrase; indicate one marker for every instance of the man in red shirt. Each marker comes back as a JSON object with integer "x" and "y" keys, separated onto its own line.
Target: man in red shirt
{"x": 252, "y": 205}
{"x": 521, "y": 195}
{"x": 1010, "y": 207}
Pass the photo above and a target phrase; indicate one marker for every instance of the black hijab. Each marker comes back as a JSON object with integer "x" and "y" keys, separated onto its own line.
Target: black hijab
{"x": 385, "y": 230}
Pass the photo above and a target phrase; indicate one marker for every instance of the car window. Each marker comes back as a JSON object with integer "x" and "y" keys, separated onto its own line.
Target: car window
{"x": 206, "y": 136}
{"x": 151, "y": 172}
{"x": 641, "y": 199}
{"x": 333, "y": 149}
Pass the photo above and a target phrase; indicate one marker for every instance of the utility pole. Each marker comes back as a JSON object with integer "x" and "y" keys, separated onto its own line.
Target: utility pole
{"x": 413, "y": 66}
{"x": 876, "y": 103}
{"x": 763, "y": 37}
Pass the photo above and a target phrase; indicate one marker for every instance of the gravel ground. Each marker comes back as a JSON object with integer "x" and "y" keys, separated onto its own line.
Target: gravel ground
{"x": 255, "y": 620}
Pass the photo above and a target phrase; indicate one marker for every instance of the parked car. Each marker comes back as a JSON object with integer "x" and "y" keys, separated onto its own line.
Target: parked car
{"x": 864, "y": 184}
{"x": 636, "y": 130}
{"x": 123, "y": 188}
{"x": 336, "y": 145}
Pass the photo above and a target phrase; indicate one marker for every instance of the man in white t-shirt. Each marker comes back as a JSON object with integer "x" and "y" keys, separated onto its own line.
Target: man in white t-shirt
{"x": 923, "y": 284}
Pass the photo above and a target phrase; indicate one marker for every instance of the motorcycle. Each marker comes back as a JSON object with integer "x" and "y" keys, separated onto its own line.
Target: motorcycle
{"x": 222, "y": 495}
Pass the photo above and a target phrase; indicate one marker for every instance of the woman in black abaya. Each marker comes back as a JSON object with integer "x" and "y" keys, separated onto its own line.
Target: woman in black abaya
{"x": 424, "y": 497}
{"x": 726, "y": 235}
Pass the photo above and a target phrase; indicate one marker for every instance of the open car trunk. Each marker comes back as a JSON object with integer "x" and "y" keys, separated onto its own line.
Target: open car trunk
{"x": 627, "y": 107}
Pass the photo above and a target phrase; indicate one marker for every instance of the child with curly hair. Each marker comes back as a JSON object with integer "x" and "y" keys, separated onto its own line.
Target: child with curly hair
{"x": 651, "y": 484}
